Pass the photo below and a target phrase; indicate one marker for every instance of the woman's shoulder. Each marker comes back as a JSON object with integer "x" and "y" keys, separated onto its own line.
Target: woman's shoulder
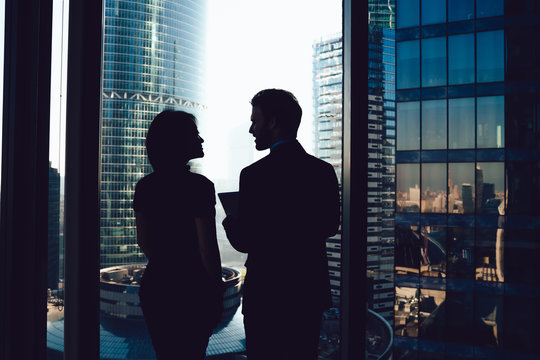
{"x": 201, "y": 180}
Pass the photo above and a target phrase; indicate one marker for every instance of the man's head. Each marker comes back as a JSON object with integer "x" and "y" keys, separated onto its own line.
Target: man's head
{"x": 275, "y": 116}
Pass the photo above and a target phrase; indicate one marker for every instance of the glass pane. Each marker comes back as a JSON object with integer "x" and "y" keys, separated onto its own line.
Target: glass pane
{"x": 408, "y": 125}
{"x": 490, "y": 122}
{"x": 488, "y": 320}
{"x": 434, "y": 185}
{"x": 460, "y": 250}
{"x": 433, "y": 62}
{"x": 460, "y": 10}
{"x": 490, "y": 188}
{"x": 408, "y": 254}
{"x": 461, "y": 188}
{"x": 406, "y": 312}
{"x": 433, "y": 124}
{"x": 407, "y": 188}
{"x": 408, "y": 64}
{"x": 433, "y": 250}
{"x": 461, "y": 123}
{"x": 55, "y": 276}
{"x": 431, "y": 314}
{"x": 460, "y": 312}
{"x": 487, "y": 8}
{"x": 461, "y": 59}
{"x": 489, "y": 255}
{"x": 408, "y": 13}
{"x": 433, "y": 12}
{"x": 490, "y": 56}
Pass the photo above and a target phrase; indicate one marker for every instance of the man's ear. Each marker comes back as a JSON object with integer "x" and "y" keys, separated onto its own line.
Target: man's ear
{"x": 272, "y": 124}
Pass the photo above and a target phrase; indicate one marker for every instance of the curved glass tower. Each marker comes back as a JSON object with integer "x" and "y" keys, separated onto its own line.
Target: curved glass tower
{"x": 153, "y": 60}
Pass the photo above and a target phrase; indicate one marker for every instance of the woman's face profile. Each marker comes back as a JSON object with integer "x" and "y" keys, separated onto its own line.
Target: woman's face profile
{"x": 193, "y": 144}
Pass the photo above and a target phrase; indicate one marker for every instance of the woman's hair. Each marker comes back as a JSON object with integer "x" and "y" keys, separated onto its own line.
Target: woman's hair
{"x": 166, "y": 138}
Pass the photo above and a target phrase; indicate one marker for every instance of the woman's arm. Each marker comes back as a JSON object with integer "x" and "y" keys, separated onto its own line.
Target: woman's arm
{"x": 208, "y": 247}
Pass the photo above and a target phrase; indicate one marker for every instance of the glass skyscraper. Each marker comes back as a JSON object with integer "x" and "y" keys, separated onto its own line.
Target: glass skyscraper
{"x": 382, "y": 13}
{"x": 153, "y": 60}
{"x": 380, "y": 124}
{"x": 467, "y": 277}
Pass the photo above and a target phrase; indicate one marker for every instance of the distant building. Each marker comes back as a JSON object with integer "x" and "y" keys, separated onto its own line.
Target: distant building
{"x": 153, "y": 59}
{"x": 380, "y": 123}
{"x": 53, "y": 247}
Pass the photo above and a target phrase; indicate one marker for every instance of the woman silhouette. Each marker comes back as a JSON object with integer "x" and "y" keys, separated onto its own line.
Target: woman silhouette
{"x": 181, "y": 291}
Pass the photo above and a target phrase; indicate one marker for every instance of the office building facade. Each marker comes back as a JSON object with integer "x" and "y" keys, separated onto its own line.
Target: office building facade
{"x": 467, "y": 179}
{"x": 382, "y": 13}
{"x": 53, "y": 227}
{"x": 153, "y": 60}
{"x": 327, "y": 100}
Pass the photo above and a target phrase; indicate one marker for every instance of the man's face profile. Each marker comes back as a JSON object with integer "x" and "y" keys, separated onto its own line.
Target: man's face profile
{"x": 260, "y": 129}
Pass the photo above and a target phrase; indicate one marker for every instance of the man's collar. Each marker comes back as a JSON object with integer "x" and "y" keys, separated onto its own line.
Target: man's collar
{"x": 277, "y": 143}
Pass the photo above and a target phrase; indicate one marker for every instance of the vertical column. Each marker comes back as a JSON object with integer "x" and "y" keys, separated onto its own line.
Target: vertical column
{"x": 82, "y": 180}
{"x": 25, "y": 149}
{"x": 354, "y": 240}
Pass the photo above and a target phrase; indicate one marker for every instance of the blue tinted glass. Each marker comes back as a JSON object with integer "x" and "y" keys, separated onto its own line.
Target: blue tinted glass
{"x": 461, "y": 59}
{"x": 434, "y": 62}
{"x": 461, "y": 123}
{"x": 408, "y": 125}
{"x": 490, "y": 56}
{"x": 490, "y": 122}
{"x": 408, "y": 64}
{"x": 461, "y": 189}
{"x": 487, "y": 8}
{"x": 433, "y": 124}
{"x": 433, "y": 12}
{"x": 408, "y": 13}
{"x": 460, "y": 10}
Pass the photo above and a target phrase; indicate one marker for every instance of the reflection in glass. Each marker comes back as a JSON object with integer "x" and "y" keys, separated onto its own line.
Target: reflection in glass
{"x": 434, "y": 61}
{"x": 489, "y": 254}
{"x": 434, "y": 184}
{"x": 404, "y": 354}
{"x": 460, "y": 247}
{"x": 406, "y": 312}
{"x": 433, "y": 262}
{"x": 488, "y": 8}
{"x": 460, "y": 10}
{"x": 408, "y": 13}
{"x": 432, "y": 317}
{"x": 522, "y": 184}
{"x": 520, "y": 328}
{"x": 488, "y": 320}
{"x": 461, "y": 123}
{"x": 408, "y": 125}
{"x": 490, "y": 122}
{"x": 490, "y": 56}
{"x": 408, "y": 64}
{"x": 408, "y": 250}
{"x": 522, "y": 251}
{"x": 459, "y": 314}
{"x": 433, "y": 124}
{"x": 433, "y": 12}
{"x": 490, "y": 188}
{"x": 461, "y": 59}
{"x": 408, "y": 188}
{"x": 461, "y": 188}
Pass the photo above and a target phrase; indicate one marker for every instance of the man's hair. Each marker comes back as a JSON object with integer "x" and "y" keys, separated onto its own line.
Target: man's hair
{"x": 281, "y": 105}
{"x": 166, "y": 135}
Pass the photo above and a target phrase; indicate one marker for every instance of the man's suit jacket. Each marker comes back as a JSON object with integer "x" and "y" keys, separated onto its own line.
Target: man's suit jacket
{"x": 288, "y": 207}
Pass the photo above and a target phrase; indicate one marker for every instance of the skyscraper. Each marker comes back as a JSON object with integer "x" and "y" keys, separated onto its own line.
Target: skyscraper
{"x": 382, "y": 13}
{"x": 53, "y": 263}
{"x": 327, "y": 100}
{"x": 153, "y": 60}
{"x": 468, "y": 105}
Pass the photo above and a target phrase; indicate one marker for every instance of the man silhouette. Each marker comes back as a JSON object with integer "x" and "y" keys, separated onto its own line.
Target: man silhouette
{"x": 288, "y": 207}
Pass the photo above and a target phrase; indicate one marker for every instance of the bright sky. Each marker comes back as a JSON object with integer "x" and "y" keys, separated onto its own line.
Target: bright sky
{"x": 251, "y": 45}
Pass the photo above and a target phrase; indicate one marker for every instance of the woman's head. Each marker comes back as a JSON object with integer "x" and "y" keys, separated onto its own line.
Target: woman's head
{"x": 172, "y": 140}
